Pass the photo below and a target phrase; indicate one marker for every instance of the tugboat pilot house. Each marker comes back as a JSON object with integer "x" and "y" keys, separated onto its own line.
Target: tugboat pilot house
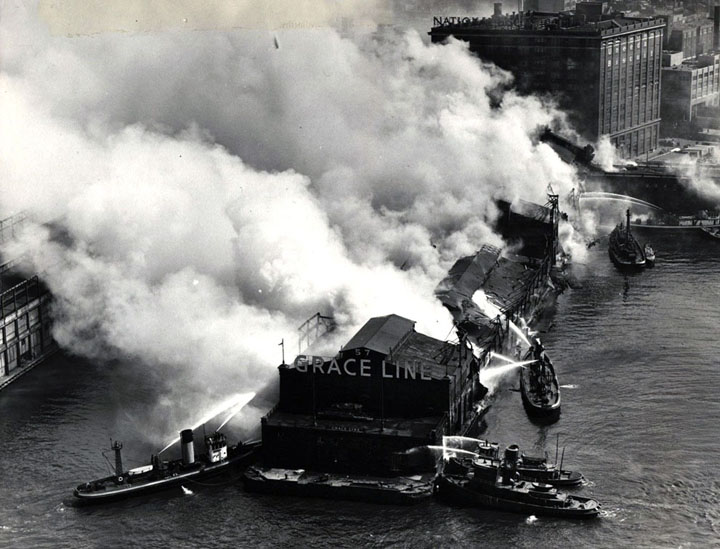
{"x": 389, "y": 389}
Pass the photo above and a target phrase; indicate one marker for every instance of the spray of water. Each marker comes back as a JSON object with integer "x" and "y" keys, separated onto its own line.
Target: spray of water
{"x": 601, "y": 195}
{"x": 239, "y": 406}
{"x": 235, "y": 402}
{"x": 447, "y": 452}
{"x": 490, "y": 377}
{"x": 491, "y": 310}
{"x": 447, "y": 440}
{"x": 519, "y": 332}
{"x": 493, "y": 354}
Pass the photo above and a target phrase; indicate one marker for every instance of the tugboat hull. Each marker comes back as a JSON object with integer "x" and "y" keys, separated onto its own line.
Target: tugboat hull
{"x": 115, "y": 488}
{"x": 546, "y": 406}
{"x": 625, "y": 251}
{"x": 461, "y": 492}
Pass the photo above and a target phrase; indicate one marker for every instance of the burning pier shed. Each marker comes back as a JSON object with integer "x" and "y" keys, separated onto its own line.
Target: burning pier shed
{"x": 389, "y": 389}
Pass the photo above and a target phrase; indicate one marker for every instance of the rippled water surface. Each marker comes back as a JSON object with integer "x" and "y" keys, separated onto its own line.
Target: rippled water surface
{"x": 637, "y": 356}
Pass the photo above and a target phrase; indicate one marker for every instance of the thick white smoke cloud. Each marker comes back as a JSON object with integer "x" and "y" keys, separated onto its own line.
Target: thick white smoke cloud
{"x": 219, "y": 188}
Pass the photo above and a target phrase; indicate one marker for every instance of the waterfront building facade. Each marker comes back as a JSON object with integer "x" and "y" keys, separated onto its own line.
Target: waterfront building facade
{"x": 389, "y": 389}
{"x": 604, "y": 70}
{"x": 25, "y": 316}
{"x": 689, "y": 88}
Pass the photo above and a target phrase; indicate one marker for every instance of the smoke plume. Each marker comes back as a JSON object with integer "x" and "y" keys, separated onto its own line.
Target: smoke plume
{"x": 212, "y": 189}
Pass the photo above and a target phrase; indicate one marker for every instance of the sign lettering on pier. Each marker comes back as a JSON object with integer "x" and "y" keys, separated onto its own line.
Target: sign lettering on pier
{"x": 360, "y": 367}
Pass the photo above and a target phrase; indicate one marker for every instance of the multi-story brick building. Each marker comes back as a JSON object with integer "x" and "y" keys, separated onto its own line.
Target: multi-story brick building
{"x": 688, "y": 87}
{"x": 603, "y": 69}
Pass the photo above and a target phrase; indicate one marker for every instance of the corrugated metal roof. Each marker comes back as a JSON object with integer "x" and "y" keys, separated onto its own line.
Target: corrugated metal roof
{"x": 381, "y": 334}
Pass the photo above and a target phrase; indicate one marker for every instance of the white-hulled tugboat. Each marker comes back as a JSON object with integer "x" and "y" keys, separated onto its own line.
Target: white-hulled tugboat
{"x": 539, "y": 385}
{"x": 161, "y": 475}
{"x": 474, "y": 482}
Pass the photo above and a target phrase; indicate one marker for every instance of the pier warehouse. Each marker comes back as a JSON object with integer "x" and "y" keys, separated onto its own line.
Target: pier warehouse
{"x": 25, "y": 320}
{"x": 389, "y": 389}
{"x": 603, "y": 68}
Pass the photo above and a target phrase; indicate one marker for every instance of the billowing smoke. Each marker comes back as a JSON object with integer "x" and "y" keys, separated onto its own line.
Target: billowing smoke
{"x": 699, "y": 177}
{"x": 213, "y": 189}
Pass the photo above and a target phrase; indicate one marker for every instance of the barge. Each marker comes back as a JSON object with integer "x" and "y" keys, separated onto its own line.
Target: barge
{"x": 398, "y": 490}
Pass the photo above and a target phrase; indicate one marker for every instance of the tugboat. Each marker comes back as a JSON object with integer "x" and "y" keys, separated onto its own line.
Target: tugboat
{"x": 473, "y": 482}
{"x": 539, "y": 385}
{"x": 624, "y": 250}
{"x": 161, "y": 475}
{"x": 532, "y": 469}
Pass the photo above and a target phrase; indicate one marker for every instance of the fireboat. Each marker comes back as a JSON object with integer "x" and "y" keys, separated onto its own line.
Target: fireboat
{"x": 160, "y": 475}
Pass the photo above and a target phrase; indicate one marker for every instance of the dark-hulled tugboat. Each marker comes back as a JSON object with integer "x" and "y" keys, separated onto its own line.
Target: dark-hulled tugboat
{"x": 539, "y": 385}
{"x": 473, "y": 482}
{"x": 624, "y": 250}
{"x": 161, "y": 475}
{"x": 532, "y": 469}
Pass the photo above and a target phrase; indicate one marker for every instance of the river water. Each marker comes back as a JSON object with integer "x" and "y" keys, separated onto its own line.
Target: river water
{"x": 637, "y": 356}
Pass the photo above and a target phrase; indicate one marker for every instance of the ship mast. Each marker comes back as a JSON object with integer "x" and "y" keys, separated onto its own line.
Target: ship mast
{"x": 117, "y": 447}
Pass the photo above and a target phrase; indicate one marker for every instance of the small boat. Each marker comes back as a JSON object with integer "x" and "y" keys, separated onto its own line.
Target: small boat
{"x": 473, "y": 482}
{"x": 624, "y": 249}
{"x": 649, "y": 255}
{"x": 160, "y": 475}
{"x": 712, "y": 232}
{"x": 532, "y": 469}
{"x": 539, "y": 385}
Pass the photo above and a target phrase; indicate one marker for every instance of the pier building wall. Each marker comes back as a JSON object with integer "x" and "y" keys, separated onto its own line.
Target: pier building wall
{"x": 25, "y": 326}
{"x": 389, "y": 389}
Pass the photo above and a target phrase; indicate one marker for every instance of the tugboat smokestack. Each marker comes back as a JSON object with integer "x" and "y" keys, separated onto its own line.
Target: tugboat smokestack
{"x": 187, "y": 446}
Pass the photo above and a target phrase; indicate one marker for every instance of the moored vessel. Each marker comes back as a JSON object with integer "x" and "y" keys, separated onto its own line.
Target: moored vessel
{"x": 492, "y": 483}
{"x": 398, "y": 490}
{"x": 531, "y": 468}
{"x": 624, "y": 249}
{"x": 539, "y": 385}
{"x": 159, "y": 475}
